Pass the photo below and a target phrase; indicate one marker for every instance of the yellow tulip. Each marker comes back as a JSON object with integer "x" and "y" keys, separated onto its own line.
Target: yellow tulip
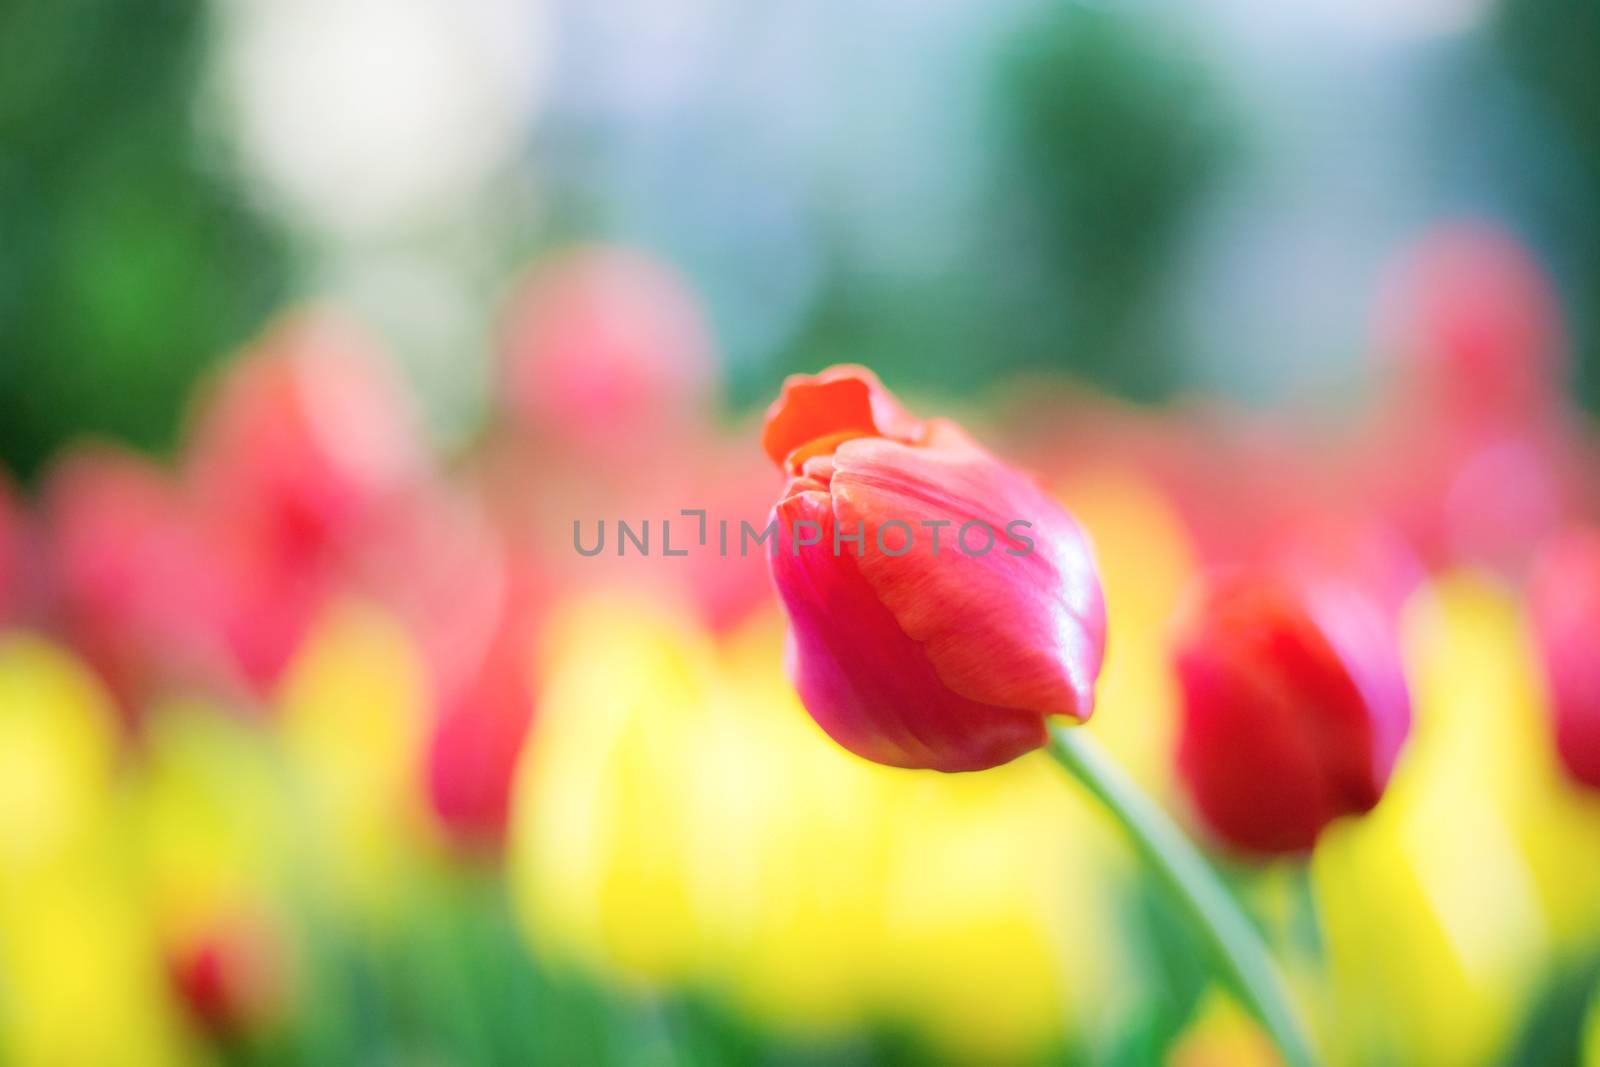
{"x": 80, "y": 970}
{"x": 83, "y": 976}
{"x": 600, "y": 824}
{"x": 681, "y": 821}
{"x": 352, "y": 714}
{"x": 212, "y": 806}
{"x": 1432, "y": 915}
{"x": 58, "y": 749}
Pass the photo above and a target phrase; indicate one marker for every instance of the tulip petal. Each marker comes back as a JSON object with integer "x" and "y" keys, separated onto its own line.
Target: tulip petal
{"x": 1362, "y": 635}
{"x": 1252, "y": 772}
{"x": 870, "y": 686}
{"x": 1008, "y": 626}
{"x": 836, "y": 405}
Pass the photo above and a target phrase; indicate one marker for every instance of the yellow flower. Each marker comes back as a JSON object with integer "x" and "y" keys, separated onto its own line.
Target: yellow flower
{"x": 681, "y": 821}
{"x": 352, "y": 715}
{"x": 79, "y": 968}
{"x": 601, "y": 820}
{"x": 83, "y": 977}
{"x": 1432, "y": 916}
{"x": 58, "y": 742}
{"x": 212, "y": 809}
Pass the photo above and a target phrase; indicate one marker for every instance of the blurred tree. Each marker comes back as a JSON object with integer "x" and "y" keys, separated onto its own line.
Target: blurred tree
{"x": 125, "y": 267}
{"x": 1552, "y": 46}
{"x": 1116, "y": 131}
{"x": 1101, "y": 132}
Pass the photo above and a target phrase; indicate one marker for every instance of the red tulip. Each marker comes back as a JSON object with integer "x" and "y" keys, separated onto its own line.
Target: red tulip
{"x": 967, "y": 611}
{"x": 1564, "y": 604}
{"x": 1294, "y": 707}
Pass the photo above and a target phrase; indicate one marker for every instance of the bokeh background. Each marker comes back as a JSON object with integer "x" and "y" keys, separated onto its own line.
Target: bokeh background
{"x": 322, "y": 321}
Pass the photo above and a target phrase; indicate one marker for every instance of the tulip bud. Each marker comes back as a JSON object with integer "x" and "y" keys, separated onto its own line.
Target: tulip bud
{"x": 1564, "y": 603}
{"x": 1294, "y": 707}
{"x": 941, "y": 604}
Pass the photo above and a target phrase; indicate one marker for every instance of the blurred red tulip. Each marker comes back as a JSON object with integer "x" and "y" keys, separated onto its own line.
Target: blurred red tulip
{"x": 1294, "y": 707}
{"x": 483, "y": 718}
{"x": 267, "y": 603}
{"x": 1475, "y": 453}
{"x": 603, "y": 347}
{"x": 296, "y": 454}
{"x": 133, "y": 585}
{"x": 302, "y": 439}
{"x": 920, "y": 645}
{"x": 232, "y": 977}
{"x": 1474, "y": 321}
{"x": 1564, "y": 605}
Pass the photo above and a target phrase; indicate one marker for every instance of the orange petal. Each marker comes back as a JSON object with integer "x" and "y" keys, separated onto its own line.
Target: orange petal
{"x": 815, "y": 413}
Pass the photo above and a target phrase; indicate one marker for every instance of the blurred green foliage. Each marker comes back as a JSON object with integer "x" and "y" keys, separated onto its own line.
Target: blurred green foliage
{"x": 1109, "y": 131}
{"x": 130, "y": 258}
{"x": 1553, "y": 46}
{"x": 126, "y": 265}
{"x": 1118, "y": 132}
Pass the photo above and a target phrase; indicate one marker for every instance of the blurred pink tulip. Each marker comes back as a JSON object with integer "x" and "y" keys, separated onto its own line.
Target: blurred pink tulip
{"x": 1475, "y": 453}
{"x": 1474, "y": 496}
{"x": 606, "y": 350}
{"x": 302, "y": 439}
{"x": 483, "y": 718}
{"x": 133, "y": 584}
{"x": 297, "y": 451}
{"x": 267, "y": 602}
{"x": 1474, "y": 321}
{"x": 12, "y": 538}
{"x": 1564, "y": 607}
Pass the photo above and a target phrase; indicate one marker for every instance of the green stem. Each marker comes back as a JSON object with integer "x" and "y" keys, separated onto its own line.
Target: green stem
{"x": 1192, "y": 884}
